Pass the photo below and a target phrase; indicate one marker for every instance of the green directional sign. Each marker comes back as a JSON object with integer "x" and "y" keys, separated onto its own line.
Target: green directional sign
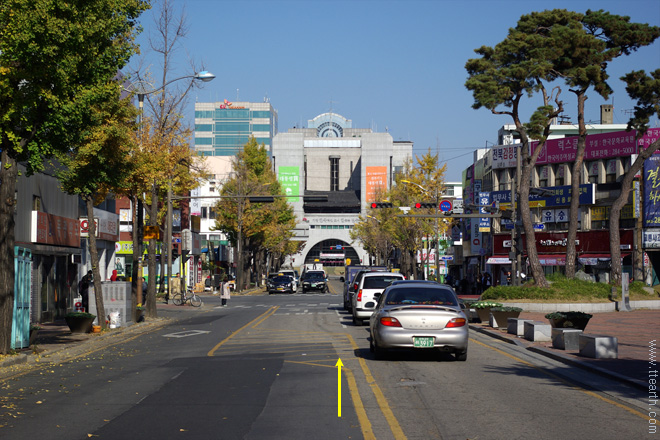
{"x": 289, "y": 178}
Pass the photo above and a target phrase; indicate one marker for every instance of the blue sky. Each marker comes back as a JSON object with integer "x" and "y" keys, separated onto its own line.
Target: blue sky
{"x": 396, "y": 66}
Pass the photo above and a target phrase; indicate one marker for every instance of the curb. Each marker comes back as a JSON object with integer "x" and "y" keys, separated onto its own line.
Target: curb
{"x": 564, "y": 359}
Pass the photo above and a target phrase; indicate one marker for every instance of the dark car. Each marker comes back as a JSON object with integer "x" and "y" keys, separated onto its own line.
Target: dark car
{"x": 314, "y": 280}
{"x": 281, "y": 283}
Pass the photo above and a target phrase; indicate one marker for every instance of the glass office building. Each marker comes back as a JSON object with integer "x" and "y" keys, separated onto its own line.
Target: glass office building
{"x": 223, "y": 128}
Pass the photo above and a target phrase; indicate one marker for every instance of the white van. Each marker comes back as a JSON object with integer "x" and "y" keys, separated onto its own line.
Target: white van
{"x": 370, "y": 284}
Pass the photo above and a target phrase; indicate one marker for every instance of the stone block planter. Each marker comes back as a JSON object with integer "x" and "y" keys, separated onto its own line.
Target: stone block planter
{"x": 536, "y": 331}
{"x": 516, "y": 326}
{"x": 566, "y": 338}
{"x": 599, "y": 347}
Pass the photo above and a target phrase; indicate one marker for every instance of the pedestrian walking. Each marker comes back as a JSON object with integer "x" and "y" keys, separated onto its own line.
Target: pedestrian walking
{"x": 225, "y": 292}
{"x": 83, "y": 289}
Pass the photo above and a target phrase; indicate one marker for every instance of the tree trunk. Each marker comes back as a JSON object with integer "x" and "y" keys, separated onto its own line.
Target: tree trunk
{"x": 150, "y": 294}
{"x": 94, "y": 256}
{"x": 576, "y": 177}
{"x": 8, "y": 179}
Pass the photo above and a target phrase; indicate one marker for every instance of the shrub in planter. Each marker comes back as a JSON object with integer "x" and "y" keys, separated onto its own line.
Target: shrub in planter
{"x": 577, "y": 320}
{"x": 79, "y": 322}
{"x": 501, "y": 315}
{"x": 483, "y": 309}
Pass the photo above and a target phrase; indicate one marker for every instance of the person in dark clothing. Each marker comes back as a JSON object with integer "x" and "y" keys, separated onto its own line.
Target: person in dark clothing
{"x": 83, "y": 289}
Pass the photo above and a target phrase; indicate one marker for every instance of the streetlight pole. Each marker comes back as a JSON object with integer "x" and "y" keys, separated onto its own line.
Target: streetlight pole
{"x": 204, "y": 76}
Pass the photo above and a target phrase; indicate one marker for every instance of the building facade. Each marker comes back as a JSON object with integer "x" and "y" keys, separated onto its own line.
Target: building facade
{"x": 610, "y": 151}
{"x": 351, "y": 166}
{"x": 223, "y": 128}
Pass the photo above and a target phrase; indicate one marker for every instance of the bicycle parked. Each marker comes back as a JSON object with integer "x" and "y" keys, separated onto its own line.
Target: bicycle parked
{"x": 189, "y": 296}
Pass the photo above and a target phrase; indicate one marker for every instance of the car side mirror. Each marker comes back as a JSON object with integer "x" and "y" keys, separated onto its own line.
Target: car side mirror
{"x": 377, "y": 295}
{"x": 342, "y": 279}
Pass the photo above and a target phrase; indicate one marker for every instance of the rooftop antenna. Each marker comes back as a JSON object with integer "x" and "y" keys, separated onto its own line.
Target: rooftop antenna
{"x": 236, "y": 94}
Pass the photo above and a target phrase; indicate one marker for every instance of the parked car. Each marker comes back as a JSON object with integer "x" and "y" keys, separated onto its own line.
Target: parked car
{"x": 281, "y": 283}
{"x": 294, "y": 275}
{"x": 269, "y": 280}
{"x": 314, "y": 280}
{"x": 419, "y": 315}
{"x": 370, "y": 284}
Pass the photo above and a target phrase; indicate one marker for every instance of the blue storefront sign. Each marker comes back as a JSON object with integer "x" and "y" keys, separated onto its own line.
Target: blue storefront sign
{"x": 561, "y": 196}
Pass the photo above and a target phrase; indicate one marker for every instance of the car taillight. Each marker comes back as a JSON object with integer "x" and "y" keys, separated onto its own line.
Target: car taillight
{"x": 390, "y": 322}
{"x": 456, "y": 322}
{"x": 359, "y": 295}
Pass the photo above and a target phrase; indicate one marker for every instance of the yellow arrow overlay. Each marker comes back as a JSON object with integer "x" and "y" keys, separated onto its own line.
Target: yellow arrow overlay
{"x": 339, "y": 365}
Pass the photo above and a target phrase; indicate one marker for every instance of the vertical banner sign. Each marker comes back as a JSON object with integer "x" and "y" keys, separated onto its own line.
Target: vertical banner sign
{"x": 376, "y": 182}
{"x": 289, "y": 178}
{"x": 652, "y": 192}
{"x": 195, "y": 204}
{"x": 484, "y": 202}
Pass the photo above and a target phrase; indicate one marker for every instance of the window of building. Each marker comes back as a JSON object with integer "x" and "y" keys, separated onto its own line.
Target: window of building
{"x": 334, "y": 173}
{"x": 36, "y": 203}
{"x": 543, "y": 176}
{"x": 610, "y": 176}
{"x": 205, "y": 212}
{"x": 212, "y": 214}
{"x": 559, "y": 175}
{"x": 592, "y": 172}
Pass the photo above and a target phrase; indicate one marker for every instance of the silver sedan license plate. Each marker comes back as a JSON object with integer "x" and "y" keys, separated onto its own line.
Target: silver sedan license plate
{"x": 423, "y": 342}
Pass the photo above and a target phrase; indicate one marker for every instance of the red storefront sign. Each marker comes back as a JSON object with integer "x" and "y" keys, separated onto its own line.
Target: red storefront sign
{"x": 55, "y": 230}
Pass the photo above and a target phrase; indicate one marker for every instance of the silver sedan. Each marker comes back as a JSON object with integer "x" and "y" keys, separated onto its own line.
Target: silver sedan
{"x": 419, "y": 315}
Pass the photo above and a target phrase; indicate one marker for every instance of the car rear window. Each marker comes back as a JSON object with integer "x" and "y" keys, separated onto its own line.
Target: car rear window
{"x": 314, "y": 276}
{"x": 283, "y": 279}
{"x": 422, "y": 296}
{"x": 378, "y": 282}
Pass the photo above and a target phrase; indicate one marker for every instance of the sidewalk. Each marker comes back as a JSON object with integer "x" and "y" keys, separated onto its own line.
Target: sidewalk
{"x": 55, "y": 341}
{"x": 637, "y": 333}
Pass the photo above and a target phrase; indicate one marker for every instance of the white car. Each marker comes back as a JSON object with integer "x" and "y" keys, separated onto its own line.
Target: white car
{"x": 363, "y": 300}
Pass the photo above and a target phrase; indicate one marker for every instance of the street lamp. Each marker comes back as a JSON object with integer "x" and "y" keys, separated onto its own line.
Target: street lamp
{"x": 204, "y": 76}
{"x": 437, "y": 239}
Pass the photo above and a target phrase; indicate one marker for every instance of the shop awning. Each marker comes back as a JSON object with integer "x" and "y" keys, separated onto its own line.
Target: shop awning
{"x": 593, "y": 259}
{"x": 498, "y": 259}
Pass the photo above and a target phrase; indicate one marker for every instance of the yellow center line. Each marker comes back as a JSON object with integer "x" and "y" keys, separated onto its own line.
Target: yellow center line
{"x": 258, "y": 320}
{"x": 570, "y": 384}
{"x": 380, "y": 397}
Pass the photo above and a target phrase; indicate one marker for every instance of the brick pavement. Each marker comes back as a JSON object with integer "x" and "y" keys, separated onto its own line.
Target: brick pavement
{"x": 634, "y": 331}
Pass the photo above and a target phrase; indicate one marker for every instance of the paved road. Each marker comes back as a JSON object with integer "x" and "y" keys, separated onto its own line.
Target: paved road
{"x": 264, "y": 368}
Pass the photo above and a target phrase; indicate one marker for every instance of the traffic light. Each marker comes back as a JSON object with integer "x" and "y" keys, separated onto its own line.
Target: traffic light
{"x": 376, "y": 205}
{"x": 425, "y": 205}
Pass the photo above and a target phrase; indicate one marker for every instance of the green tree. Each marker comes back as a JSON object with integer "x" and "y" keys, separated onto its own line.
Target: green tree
{"x": 56, "y": 60}
{"x": 383, "y": 230}
{"x": 580, "y": 46}
{"x": 516, "y": 67}
{"x": 252, "y": 227}
{"x": 100, "y": 165}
